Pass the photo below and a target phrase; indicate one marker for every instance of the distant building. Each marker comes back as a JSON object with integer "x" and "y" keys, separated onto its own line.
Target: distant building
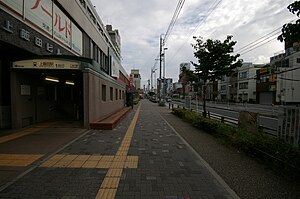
{"x": 266, "y": 85}
{"x": 247, "y": 82}
{"x": 228, "y": 87}
{"x": 177, "y": 88}
{"x": 136, "y": 78}
{"x": 288, "y": 73}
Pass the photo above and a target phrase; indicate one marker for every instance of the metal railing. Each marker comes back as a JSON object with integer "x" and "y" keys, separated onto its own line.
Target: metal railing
{"x": 228, "y": 120}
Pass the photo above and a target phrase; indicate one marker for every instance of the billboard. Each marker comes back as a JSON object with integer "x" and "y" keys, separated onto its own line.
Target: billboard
{"x": 45, "y": 15}
{"x": 61, "y": 26}
{"x": 16, "y": 5}
{"x": 40, "y": 12}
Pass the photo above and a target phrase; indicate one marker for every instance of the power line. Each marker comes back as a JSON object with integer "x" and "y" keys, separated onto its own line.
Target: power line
{"x": 256, "y": 42}
{"x": 210, "y": 11}
{"x": 174, "y": 19}
{"x": 273, "y": 39}
{"x": 253, "y": 42}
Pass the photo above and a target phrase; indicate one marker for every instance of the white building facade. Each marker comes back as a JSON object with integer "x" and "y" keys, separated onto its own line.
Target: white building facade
{"x": 246, "y": 90}
{"x": 288, "y": 78}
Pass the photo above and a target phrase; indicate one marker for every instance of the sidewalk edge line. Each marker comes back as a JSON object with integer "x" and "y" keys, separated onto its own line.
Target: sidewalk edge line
{"x": 210, "y": 169}
{"x": 3, "y": 187}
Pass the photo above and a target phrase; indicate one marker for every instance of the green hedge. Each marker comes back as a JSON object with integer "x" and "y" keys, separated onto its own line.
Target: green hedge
{"x": 254, "y": 144}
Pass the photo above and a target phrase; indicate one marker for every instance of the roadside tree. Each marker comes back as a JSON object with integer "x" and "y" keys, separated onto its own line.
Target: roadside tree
{"x": 215, "y": 60}
{"x": 291, "y": 31}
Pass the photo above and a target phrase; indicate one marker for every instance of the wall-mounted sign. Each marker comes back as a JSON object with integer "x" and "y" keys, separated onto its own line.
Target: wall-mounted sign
{"x": 46, "y": 64}
{"x": 45, "y": 15}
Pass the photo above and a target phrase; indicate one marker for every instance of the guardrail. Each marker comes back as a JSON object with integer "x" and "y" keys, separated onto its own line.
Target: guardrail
{"x": 228, "y": 120}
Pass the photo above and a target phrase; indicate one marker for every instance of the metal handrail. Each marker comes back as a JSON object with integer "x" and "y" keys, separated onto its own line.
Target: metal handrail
{"x": 229, "y": 120}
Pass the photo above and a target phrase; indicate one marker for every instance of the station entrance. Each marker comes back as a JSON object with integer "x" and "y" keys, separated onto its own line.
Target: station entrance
{"x": 46, "y": 90}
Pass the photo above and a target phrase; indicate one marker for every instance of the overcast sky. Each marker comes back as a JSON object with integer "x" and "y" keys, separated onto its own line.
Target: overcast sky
{"x": 140, "y": 24}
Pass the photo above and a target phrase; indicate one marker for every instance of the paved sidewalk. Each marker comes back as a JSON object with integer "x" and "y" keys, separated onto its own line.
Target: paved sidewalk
{"x": 142, "y": 158}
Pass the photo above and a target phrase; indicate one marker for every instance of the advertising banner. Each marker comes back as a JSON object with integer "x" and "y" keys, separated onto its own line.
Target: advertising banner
{"x": 16, "y": 5}
{"x": 39, "y": 12}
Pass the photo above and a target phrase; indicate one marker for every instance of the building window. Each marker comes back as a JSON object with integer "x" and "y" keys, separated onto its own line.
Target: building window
{"x": 111, "y": 92}
{"x": 243, "y": 85}
{"x": 136, "y": 76}
{"x": 244, "y": 75}
{"x": 223, "y": 87}
{"x": 116, "y": 94}
{"x": 103, "y": 92}
{"x": 298, "y": 60}
{"x": 120, "y": 94}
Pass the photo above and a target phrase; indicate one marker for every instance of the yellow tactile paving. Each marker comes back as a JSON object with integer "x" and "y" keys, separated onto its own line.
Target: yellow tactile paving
{"x": 62, "y": 164}
{"x": 82, "y": 157}
{"x": 110, "y": 183}
{"x": 69, "y": 158}
{"x": 103, "y": 165}
{"x": 132, "y": 159}
{"x": 121, "y": 153}
{"x": 119, "y": 158}
{"x": 57, "y": 157}
{"x": 76, "y": 164}
{"x": 95, "y": 157}
{"x": 114, "y": 173}
{"x": 131, "y": 165}
{"x": 25, "y": 132}
{"x": 117, "y": 165}
{"x": 106, "y": 194}
{"x": 123, "y": 148}
{"x": 48, "y": 163}
{"x": 108, "y": 158}
{"x": 18, "y": 160}
{"x": 90, "y": 164}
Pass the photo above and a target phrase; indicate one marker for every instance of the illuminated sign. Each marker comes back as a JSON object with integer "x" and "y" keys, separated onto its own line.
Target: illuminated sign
{"x": 46, "y": 64}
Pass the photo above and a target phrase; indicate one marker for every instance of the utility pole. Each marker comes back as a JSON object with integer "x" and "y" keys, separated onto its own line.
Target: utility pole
{"x": 160, "y": 66}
